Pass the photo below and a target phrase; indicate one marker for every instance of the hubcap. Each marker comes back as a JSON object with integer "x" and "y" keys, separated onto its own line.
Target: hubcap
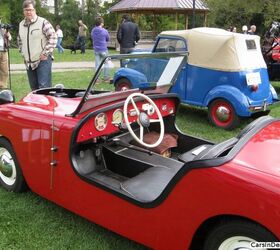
{"x": 124, "y": 88}
{"x": 237, "y": 243}
{"x": 223, "y": 113}
{"x": 7, "y": 167}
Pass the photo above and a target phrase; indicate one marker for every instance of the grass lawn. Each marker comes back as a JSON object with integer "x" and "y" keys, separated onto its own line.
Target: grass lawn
{"x": 29, "y": 222}
{"x": 15, "y": 56}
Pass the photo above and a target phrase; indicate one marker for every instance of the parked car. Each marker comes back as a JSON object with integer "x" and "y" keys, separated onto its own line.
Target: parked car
{"x": 119, "y": 160}
{"x": 225, "y": 72}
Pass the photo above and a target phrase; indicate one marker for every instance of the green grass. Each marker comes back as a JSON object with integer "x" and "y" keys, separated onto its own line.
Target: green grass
{"x": 16, "y": 58}
{"x": 28, "y": 221}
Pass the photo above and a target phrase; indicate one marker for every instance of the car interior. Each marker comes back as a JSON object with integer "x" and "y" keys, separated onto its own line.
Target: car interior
{"x": 143, "y": 174}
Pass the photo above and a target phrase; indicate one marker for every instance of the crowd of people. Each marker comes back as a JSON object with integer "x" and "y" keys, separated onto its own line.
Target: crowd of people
{"x": 37, "y": 40}
{"x": 244, "y": 29}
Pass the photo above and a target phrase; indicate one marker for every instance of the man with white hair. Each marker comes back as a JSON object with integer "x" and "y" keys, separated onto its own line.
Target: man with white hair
{"x": 252, "y": 30}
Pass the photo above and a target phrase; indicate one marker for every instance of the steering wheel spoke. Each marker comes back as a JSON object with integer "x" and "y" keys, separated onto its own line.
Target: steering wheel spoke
{"x": 143, "y": 119}
{"x": 135, "y": 107}
{"x": 141, "y": 133}
{"x": 154, "y": 120}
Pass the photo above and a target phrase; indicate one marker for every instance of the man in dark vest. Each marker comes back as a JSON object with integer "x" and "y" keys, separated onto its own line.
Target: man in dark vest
{"x": 128, "y": 35}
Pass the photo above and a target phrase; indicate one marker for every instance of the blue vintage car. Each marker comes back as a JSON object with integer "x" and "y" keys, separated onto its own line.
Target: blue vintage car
{"x": 225, "y": 72}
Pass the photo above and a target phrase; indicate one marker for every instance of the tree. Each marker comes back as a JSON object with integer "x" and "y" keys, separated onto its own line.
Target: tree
{"x": 225, "y": 13}
{"x": 69, "y": 21}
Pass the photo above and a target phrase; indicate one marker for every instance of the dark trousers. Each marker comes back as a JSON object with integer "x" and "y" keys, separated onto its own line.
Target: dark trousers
{"x": 126, "y": 50}
{"x": 82, "y": 41}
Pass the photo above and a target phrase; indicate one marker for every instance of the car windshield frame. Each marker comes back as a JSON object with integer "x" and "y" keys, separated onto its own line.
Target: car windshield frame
{"x": 181, "y": 56}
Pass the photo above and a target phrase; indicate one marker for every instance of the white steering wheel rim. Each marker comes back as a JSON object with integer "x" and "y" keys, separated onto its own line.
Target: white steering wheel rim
{"x": 160, "y": 120}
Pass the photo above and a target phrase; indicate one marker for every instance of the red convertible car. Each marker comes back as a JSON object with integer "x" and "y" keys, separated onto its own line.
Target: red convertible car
{"x": 119, "y": 160}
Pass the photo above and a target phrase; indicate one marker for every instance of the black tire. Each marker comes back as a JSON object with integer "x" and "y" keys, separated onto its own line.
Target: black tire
{"x": 11, "y": 177}
{"x": 230, "y": 121}
{"x": 123, "y": 84}
{"x": 239, "y": 232}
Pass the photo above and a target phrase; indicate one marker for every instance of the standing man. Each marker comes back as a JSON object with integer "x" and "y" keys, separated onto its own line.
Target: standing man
{"x": 100, "y": 37}
{"x": 128, "y": 35}
{"x": 5, "y": 38}
{"x": 82, "y": 36}
{"x": 252, "y": 30}
{"x": 36, "y": 40}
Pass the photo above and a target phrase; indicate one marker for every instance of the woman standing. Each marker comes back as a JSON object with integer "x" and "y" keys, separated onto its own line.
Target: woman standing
{"x": 100, "y": 37}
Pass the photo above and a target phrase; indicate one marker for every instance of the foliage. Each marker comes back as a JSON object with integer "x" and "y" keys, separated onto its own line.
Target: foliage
{"x": 4, "y": 12}
{"x": 238, "y": 13}
{"x": 69, "y": 21}
{"x": 223, "y": 13}
{"x": 111, "y": 19}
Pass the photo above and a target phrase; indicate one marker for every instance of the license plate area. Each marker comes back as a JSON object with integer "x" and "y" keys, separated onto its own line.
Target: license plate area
{"x": 253, "y": 78}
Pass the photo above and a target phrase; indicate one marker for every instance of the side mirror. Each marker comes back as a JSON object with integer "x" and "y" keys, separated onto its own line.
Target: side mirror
{"x": 6, "y": 96}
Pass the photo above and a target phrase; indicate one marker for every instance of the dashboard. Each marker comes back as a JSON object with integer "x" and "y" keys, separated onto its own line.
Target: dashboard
{"x": 110, "y": 119}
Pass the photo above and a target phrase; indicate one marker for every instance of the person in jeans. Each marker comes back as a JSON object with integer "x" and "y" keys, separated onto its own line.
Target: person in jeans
{"x": 128, "y": 35}
{"x": 36, "y": 41}
{"x": 82, "y": 36}
{"x": 5, "y": 38}
{"x": 100, "y": 37}
{"x": 59, "y": 35}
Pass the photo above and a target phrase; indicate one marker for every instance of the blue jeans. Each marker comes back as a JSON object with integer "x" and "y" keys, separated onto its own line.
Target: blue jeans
{"x": 82, "y": 42}
{"x": 41, "y": 77}
{"x": 99, "y": 56}
{"x": 58, "y": 45}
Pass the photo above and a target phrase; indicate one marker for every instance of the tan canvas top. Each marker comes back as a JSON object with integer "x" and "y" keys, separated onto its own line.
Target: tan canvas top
{"x": 220, "y": 49}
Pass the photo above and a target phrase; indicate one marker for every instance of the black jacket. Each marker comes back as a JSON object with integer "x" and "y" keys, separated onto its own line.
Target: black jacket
{"x": 128, "y": 34}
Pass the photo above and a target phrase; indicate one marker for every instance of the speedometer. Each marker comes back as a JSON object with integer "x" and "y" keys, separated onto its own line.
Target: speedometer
{"x": 100, "y": 121}
{"x": 117, "y": 117}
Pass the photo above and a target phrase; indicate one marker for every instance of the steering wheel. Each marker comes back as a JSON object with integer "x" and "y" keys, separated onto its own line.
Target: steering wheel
{"x": 143, "y": 119}
{"x": 171, "y": 49}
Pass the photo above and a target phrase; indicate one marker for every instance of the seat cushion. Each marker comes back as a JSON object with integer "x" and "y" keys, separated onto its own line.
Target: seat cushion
{"x": 148, "y": 185}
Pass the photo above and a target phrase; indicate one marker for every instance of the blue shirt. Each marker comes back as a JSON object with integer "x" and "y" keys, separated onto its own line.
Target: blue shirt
{"x": 100, "y": 37}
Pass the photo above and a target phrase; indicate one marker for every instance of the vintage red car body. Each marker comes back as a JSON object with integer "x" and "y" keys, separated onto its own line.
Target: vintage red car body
{"x": 243, "y": 185}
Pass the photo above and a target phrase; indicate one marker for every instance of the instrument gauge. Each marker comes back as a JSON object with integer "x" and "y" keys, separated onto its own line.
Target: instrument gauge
{"x": 117, "y": 117}
{"x": 101, "y": 121}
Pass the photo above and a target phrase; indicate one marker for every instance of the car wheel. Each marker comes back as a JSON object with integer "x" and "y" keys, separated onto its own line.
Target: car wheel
{"x": 222, "y": 114}
{"x": 237, "y": 235}
{"x": 11, "y": 177}
{"x": 122, "y": 84}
